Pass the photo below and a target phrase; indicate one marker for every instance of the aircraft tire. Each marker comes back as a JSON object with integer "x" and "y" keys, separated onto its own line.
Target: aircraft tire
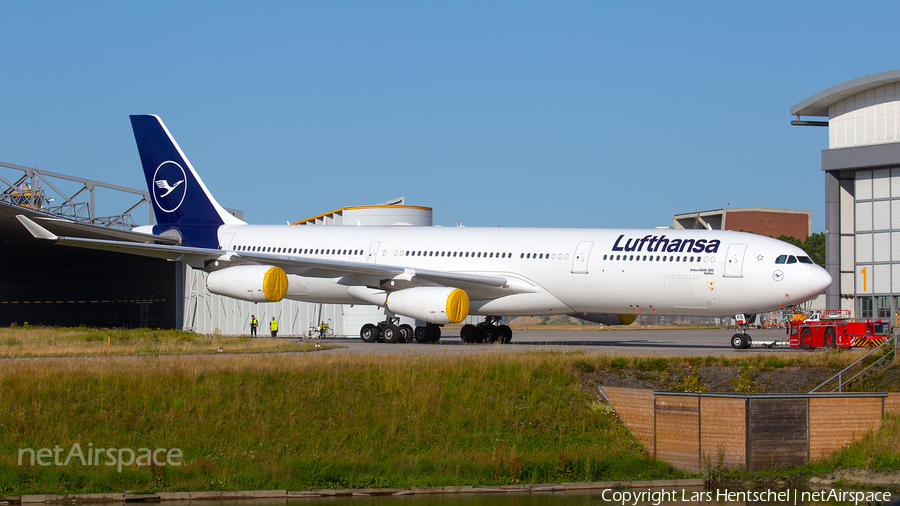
{"x": 435, "y": 333}
{"x": 505, "y": 334}
{"x": 406, "y": 332}
{"x": 423, "y": 334}
{"x": 391, "y": 334}
{"x": 739, "y": 341}
{"x": 369, "y": 333}
{"x": 491, "y": 334}
{"x": 467, "y": 333}
{"x": 479, "y": 334}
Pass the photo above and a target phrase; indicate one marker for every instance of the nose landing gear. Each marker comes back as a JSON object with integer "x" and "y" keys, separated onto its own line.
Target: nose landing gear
{"x": 741, "y": 340}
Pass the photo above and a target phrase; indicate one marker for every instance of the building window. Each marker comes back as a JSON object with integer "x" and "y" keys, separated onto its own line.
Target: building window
{"x": 883, "y": 306}
{"x": 865, "y": 307}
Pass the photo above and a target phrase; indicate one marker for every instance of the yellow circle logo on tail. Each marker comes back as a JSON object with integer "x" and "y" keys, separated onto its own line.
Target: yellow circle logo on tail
{"x": 457, "y": 306}
{"x": 275, "y": 284}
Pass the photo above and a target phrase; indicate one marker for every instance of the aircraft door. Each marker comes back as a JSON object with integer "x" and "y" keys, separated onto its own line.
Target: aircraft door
{"x": 226, "y": 241}
{"x": 582, "y": 252}
{"x": 373, "y": 253}
{"x": 734, "y": 260}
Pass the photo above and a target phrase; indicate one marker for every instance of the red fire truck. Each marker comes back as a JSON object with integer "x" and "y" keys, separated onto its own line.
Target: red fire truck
{"x": 836, "y": 330}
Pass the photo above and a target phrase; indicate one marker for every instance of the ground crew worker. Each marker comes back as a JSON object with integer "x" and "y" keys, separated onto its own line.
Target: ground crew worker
{"x": 323, "y": 327}
{"x": 253, "y": 324}
{"x": 273, "y": 326}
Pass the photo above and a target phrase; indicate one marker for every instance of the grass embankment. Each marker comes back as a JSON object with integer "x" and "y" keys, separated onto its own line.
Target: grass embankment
{"x": 85, "y": 341}
{"x": 315, "y": 421}
{"x": 304, "y": 421}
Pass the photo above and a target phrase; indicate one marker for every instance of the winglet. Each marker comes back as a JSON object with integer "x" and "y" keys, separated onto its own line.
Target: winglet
{"x": 36, "y": 230}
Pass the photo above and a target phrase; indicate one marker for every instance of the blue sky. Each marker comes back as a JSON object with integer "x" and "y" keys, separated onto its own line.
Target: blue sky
{"x": 572, "y": 114}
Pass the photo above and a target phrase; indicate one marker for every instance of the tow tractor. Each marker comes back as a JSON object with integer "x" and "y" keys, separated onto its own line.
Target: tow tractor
{"x": 835, "y": 329}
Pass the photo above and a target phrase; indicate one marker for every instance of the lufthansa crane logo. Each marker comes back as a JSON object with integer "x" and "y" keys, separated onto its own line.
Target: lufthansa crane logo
{"x": 169, "y": 186}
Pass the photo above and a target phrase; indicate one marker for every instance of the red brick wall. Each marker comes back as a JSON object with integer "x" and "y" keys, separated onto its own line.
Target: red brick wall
{"x": 768, "y": 223}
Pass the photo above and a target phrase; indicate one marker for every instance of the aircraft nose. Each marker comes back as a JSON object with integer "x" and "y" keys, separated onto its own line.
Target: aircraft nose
{"x": 819, "y": 280}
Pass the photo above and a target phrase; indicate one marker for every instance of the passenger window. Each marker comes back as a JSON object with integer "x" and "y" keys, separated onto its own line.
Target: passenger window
{"x": 781, "y": 259}
{"x": 604, "y": 257}
{"x": 792, "y": 259}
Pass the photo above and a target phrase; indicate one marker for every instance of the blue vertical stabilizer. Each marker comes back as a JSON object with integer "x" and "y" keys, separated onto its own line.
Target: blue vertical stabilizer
{"x": 180, "y": 199}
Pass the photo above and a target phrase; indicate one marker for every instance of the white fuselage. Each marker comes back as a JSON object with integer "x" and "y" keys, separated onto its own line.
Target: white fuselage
{"x": 555, "y": 271}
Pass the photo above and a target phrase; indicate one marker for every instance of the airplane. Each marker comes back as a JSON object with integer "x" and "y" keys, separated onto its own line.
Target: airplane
{"x": 441, "y": 275}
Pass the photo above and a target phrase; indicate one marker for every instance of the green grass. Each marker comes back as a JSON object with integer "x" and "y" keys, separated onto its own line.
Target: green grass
{"x": 319, "y": 420}
{"x": 29, "y": 341}
{"x": 313, "y": 421}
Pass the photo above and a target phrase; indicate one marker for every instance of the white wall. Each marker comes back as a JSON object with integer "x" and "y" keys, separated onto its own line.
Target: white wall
{"x": 871, "y": 117}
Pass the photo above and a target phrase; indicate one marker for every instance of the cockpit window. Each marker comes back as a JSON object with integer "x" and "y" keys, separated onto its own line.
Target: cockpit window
{"x": 792, "y": 259}
{"x": 781, "y": 259}
{"x": 805, "y": 260}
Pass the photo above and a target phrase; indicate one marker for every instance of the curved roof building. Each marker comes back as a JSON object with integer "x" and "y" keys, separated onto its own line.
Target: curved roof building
{"x": 862, "y": 191}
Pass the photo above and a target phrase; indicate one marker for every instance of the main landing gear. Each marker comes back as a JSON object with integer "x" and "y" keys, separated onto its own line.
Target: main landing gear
{"x": 430, "y": 333}
{"x": 741, "y": 340}
{"x": 389, "y": 331}
{"x": 486, "y": 332}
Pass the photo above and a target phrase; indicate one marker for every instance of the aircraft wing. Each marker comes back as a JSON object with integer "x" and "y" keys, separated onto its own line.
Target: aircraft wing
{"x": 310, "y": 267}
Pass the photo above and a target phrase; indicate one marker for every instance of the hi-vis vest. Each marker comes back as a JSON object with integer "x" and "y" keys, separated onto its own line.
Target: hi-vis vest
{"x": 253, "y": 322}
{"x": 273, "y": 325}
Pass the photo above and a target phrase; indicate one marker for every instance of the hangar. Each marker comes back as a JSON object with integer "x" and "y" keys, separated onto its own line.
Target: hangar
{"x": 48, "y": 284}
{"x": 862, "y": 190}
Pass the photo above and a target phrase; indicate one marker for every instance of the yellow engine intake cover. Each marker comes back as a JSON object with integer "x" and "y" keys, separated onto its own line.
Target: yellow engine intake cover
{"x": 457, "y": 306}
{"x": 627, "y": 319}
{"x": 275, "y": 284}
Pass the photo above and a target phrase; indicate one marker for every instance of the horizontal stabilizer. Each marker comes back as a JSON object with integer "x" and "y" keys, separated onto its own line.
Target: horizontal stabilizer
{"x": 36, "y": 230}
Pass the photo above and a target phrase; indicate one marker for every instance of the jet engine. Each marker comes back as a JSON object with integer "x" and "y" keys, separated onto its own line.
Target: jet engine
{"x": 254, "y": 283}
{"x": 432, "y": 304}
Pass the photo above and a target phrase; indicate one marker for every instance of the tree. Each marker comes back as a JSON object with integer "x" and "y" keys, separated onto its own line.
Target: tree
{"x": 814, "y": 246}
